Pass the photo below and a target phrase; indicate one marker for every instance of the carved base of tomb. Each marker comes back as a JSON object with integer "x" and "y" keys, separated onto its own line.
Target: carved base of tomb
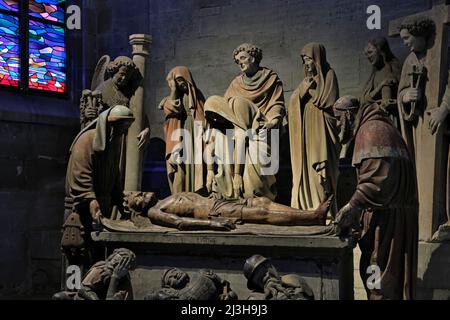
{"x": 433, "y": 278}
{"x": 325, "y": 262}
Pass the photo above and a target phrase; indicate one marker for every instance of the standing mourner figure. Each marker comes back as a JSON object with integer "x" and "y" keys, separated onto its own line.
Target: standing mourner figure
{"x": 106, "y": 280}
{"x": 382, "y": 85}
{"x": 312, "y": 131}
{"x": 262, "y": 88}
{"x": 184, "y": 112}
{"x": 384, "y": 204}
{"x": 412, "y": 102}
{"x": 439, "y": 118}
{"x": 93, "y": 181}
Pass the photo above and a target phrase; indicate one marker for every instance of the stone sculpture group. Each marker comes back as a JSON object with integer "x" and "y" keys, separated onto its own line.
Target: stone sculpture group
{"x": 381, "y": 131}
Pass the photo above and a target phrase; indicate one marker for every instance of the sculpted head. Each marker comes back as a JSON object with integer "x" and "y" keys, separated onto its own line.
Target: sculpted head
{"x": 120, "y": 255}
{"x": 175, "y": 278}
{"x": 345, "y": 110}
{"x": 122, "y": 70}
{"x": 120, "y": 119}
{"x": 248, "y": 57}
{"x": 140, "y": 201}
{"x": 378, "y": 52}
{"x": 415, "y": 33}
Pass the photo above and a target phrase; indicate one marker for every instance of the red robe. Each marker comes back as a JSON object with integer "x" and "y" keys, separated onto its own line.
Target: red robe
{"x": 387, "y": 192}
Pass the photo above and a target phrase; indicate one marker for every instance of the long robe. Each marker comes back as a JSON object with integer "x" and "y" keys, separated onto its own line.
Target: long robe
{"x": 244, "y": 118}
{"x": 387, "y": 193}
{"x": 184, "y": 157}
{"x": 382, "y": 88}
{"x": 93, "y": 171}
{"x": 413, "y": 130}
{"x": 313, "y": 136}
{"x": 265, "y": 91}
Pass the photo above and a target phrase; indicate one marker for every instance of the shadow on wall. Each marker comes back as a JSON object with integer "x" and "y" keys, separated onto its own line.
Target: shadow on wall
{"x": 154, "y": 177}
{"x": 284, "y": 175}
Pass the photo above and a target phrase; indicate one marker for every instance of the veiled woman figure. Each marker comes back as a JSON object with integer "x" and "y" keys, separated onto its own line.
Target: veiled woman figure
{"x": 312, "y": 131}
{"x": 183, "y": 129}
{"x": 243, "y": 151}
{"x": 382, "y": 86}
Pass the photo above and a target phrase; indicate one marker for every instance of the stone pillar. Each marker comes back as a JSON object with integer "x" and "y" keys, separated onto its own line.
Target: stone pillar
{"x": 135, "y": 157}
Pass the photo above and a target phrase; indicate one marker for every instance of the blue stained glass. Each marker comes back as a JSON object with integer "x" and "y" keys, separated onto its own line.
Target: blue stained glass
{"x": 52, "y": 10}
{"x": 47, "y": 57}
{"x": 9, "y": 50}
{"x": 12, "y": 5}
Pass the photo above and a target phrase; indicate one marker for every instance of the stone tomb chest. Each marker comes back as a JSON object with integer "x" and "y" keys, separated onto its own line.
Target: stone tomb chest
{"x": 326, "y": 262}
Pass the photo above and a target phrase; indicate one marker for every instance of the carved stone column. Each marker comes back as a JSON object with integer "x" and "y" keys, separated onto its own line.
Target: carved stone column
{"x": 134, "y": 157}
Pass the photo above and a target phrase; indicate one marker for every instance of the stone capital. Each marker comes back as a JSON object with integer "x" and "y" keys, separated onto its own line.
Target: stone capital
{"x": 141, "y": 44}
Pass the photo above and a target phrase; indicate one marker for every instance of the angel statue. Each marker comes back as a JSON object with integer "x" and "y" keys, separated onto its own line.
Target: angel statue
{"x": 113, "y": 83}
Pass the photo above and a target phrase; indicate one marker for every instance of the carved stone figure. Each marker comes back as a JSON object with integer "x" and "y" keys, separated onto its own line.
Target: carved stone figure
{"x": 416, "y": 34}
{"x": 238, "y": 131}
{"x": 106, "y": 280}
{"x": 263, "y": 89}
{"x": 93, "y": 179}
{"x": 191, "y": 211}
{"x": 114, "y": 83}
{"x": 312, "y": 131}
{"x": 264, "y": 281}
{"x": 382, "y": 85}
{"x": 183, "y": 109}
{"x": 205, "y": 285}
{"x": 439, "y": 118}
{"x": 384, "y": 207}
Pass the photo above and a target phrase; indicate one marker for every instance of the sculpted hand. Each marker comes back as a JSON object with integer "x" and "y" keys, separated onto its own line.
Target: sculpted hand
{"x": 121, "y": 270}
{"x": 346, "y": 219}
{"x": 143, "y": 138}
{"x": 238, "y": 185}
{"x": 274, "y": 290}
{"x": 96, "y": 213}
{"x": 305, "y": 85}
{"x": 272, "y": 124}
{"x": 226, "y": 225}
{"x": 412, "y": 95}
{"x": 210, "y": 180}
{"x": 121, "y": 295}
{"x": 173, "y": 87}
{"x": 437, "y": 118}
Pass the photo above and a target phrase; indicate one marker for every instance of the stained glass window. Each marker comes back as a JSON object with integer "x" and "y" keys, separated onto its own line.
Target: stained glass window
{"x": 51, "y": 10}
{"x": 9, "y": 50}
{"x": 43, "y": 65}
{"x": 12, "y": 5}
{"x": 47, "y": 57}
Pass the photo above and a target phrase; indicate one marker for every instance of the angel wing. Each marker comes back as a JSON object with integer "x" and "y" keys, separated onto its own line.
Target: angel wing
{"x": 100, "y": 72}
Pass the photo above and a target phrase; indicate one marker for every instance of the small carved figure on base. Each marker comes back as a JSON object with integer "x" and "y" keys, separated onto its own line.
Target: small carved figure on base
{"x": 106, "y": 280}
{"x": 206, "y": 285}
{"x": 264, "y": 281}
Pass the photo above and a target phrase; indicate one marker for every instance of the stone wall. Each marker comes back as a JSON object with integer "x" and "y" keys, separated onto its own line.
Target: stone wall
{"x": 35, "y": 135}
{"x": 202, "y": 34}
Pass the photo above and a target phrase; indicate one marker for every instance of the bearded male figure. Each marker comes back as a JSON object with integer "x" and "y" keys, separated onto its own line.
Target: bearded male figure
{"x": 384, "y": 206}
